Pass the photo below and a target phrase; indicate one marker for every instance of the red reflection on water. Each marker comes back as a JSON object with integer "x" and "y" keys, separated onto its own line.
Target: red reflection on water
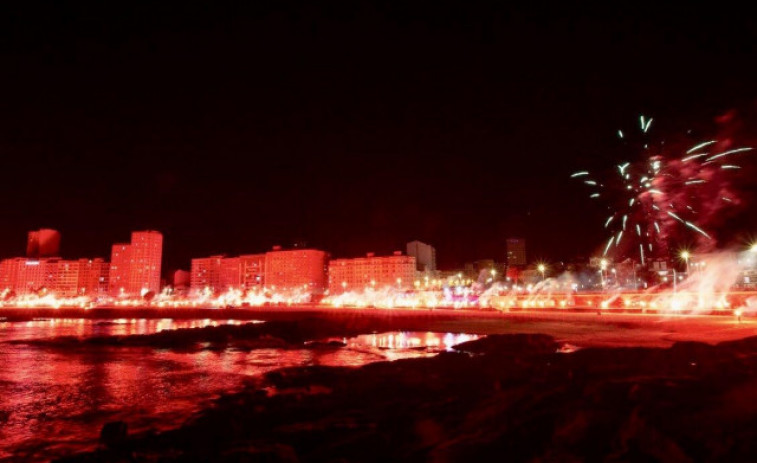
{"x": 413, "y": 340}
{"x": 50, "y": 328}
{"x": 406, "y": 344}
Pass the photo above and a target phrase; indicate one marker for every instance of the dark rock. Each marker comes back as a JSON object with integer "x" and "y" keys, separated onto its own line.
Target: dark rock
{"x": 513, "y": 344}
{"x": 325, "y": 344}
{"x": 513, "y": 396}
{"x": 638, "y": 441}
{"x": 113, "y": 433}
{"x": 270, "y": 453}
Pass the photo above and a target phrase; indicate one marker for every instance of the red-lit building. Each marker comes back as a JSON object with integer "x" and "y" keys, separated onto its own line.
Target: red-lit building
{"x": 94, "y": 275}
{"x": 206, "y": 274}
{"x": 135, "y": 267}
{"x": 252, "y": 271}
{"x": 230, "y": 273}
{"x": 219, "y": 273}
{"x": 277, "y": 270}
{"x": 296, "y": 269}
{"x": 63, "y": 278}
{"x": 120, "y": 258}
{"x": 22, "y": 275}
{"x": 146, "y": 258}
{"x": 8, "y": 274}
{"x": 375, "y": 272}
{"x": 249, "y": 272}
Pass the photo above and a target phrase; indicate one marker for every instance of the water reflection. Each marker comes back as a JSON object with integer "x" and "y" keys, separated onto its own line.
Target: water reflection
{"x": 412, "y": 340}
{"x": 49, "y": 328}
{"x": 407, "y": 344}
{"x": 53, "y": 401}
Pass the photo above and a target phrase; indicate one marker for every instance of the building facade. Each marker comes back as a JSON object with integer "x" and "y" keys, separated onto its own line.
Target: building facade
{"x": 135, "y": 266}
{"x": 205, "y": 274}
{"x": 372, "y": 272}
{"x": 277, "y": 270}
{"x": 425, "y": 256}
{"x": 220, "y": 273}
{"x": 94, "y": 277}
{"x": 230, "y": 273}
{"x": 296, "y": 269}
{"x": 62, "y": 278}
{"x": 24, "y": 276}
{"x": 146, "y": 259}
{"x": 516, "y": 252}
{"x": 253, "y": 271}
{"x": 120, "y": 258}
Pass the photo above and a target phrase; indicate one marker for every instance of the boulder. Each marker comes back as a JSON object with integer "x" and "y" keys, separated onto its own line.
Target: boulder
{"x": 113, "y": 433}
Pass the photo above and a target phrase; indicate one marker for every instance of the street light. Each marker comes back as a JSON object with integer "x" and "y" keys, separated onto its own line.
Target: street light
{"x": 685, "y": 255}
{"x": 542, "y": 268}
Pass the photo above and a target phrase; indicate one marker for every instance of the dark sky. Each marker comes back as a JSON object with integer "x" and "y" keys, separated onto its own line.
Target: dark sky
{"x": 353, "y": 127}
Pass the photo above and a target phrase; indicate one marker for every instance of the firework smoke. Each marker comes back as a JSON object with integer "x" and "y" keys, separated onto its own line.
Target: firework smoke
{"x": 669, "y": 190}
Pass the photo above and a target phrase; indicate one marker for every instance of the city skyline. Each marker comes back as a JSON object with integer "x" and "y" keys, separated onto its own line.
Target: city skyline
{"x": 424, "y": 252}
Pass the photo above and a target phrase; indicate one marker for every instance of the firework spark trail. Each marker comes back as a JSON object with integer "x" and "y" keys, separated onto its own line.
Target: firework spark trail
{"x": 656, "y": 195}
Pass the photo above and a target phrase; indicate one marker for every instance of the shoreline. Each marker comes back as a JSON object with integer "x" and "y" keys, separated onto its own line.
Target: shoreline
{"x": 582, "y": 328}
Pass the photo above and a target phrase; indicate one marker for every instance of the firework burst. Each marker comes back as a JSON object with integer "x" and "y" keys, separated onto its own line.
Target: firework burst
{"x": 668, "y": 190}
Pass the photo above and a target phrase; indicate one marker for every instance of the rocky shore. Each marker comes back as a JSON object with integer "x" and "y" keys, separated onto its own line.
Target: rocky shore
{"x": 514, "y": 397}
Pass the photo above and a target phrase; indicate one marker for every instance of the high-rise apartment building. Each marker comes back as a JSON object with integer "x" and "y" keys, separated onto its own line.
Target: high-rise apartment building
{"x": 516, "y": 252}
{"x": 425, "y": 256}
{"x": 146, "y": 258}
{"x": 120, "y": 259}
{"x": 135, "y": 267}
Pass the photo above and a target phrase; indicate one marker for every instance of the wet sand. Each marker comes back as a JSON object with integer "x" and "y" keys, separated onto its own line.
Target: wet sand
{"x": 584, "y": 328}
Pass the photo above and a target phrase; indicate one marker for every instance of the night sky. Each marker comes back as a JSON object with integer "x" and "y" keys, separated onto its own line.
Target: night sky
{"x": 353, "y": 127}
